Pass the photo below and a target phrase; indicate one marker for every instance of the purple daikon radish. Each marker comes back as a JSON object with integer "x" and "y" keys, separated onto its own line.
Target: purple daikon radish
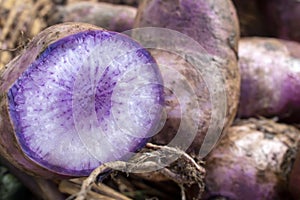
{"x": 78, "y": 96}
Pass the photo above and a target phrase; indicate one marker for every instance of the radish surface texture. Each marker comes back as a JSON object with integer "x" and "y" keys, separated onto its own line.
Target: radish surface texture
{"x": 270, "y": 70}
{"x": 253, "y": 161}
{"x": 78, "y": 97}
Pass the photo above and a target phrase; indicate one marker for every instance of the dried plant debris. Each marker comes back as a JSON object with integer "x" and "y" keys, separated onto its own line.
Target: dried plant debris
{"x": 184, "y": 172}
{"x": 20, "y": 20}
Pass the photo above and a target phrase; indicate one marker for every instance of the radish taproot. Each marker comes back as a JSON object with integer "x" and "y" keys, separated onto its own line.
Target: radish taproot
{"x": 72, "y": 101}
{"x": 252, "y": 161}
{"x": 270, "y": 70}
{"x": 213, "y": 25}
{"x": 108, "y": 16}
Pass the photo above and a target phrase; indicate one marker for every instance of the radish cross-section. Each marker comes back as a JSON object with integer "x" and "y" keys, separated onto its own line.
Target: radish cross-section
{"x": 89, "y": 98}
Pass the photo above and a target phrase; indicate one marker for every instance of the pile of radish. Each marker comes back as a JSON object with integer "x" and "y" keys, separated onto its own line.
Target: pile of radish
{"x": 206, "y": 77}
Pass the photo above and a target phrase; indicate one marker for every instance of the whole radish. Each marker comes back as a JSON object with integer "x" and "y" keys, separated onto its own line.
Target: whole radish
{"x": 213, "y": 25}
{"x": 111, "y": 17}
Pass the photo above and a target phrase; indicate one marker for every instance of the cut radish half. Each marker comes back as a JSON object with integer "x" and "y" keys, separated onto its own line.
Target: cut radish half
{"x": 89, "y": 98}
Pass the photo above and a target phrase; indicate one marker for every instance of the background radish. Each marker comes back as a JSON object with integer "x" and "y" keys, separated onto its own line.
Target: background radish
{"x": 253, "y": 161}
{"x": 270, "y": 84}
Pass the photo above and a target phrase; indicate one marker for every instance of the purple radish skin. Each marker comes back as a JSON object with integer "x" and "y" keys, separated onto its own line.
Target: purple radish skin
{"x": 270, "y": 70}
{"x": 252, "y": 161}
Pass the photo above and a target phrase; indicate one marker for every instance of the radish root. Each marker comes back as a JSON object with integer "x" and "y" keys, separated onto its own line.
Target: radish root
{"x": 194, "y": 172}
